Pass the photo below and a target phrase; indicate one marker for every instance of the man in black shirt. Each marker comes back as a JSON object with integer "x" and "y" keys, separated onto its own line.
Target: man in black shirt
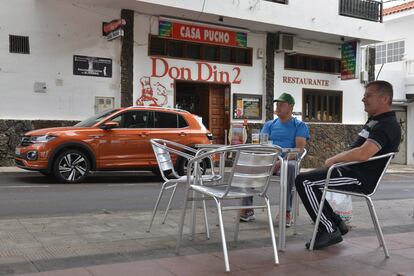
{"x": 381, "y": 134}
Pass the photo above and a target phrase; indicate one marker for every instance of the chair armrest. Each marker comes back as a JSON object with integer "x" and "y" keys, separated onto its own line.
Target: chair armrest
{"x": 343, "y": 164}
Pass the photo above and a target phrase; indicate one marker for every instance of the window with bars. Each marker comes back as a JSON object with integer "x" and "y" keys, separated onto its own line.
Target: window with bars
{"x": 322, "y": 106}
{"x": 389, "y": 52}
{"x": 312, "y": 63}
{"x": 159, "y": 46}
{"x": 19, "y": 44}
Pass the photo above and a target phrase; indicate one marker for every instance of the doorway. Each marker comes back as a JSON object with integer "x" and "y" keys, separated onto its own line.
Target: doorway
{"x": 210, "y": 101}
{"x": 401, "y": 114}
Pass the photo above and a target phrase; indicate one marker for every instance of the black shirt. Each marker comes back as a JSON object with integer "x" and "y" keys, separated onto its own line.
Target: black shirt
{"x": 384, "y": 131}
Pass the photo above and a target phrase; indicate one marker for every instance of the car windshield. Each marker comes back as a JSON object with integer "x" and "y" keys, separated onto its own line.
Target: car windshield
{"x": 95, "y": 119}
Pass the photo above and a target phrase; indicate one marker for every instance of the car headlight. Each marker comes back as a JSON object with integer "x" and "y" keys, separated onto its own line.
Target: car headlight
{"x": 42, "y": 139}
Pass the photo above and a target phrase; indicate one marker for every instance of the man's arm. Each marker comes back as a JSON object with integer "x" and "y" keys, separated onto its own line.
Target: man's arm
{"x": 361, "y": 153}
{"x": 300, "y": 143}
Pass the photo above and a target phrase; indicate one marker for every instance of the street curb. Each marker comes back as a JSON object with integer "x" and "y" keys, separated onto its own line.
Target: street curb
{"x": 401, "y": 169}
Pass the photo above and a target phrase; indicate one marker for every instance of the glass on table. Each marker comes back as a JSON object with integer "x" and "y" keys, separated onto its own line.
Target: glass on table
{"x": 264, "y": 138}
{"x": 255, "y": 136}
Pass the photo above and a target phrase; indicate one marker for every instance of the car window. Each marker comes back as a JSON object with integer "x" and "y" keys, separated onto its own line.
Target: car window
{"x": 165, "y": 120}
{"x": 182, "y": 122}
{"x": 133, "y": 119}
{"x": 95, "y": 119}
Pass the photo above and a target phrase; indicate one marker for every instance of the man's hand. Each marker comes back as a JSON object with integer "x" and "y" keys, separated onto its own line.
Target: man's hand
{"x": 329, "y": 162}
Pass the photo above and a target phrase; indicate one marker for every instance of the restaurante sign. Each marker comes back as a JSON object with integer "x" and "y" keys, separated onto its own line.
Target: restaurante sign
{"x": 204, "y": 34}
{"x": 305, "y": 81}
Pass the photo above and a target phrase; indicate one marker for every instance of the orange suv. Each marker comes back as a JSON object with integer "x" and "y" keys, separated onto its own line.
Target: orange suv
{"x": 117, "y": 139}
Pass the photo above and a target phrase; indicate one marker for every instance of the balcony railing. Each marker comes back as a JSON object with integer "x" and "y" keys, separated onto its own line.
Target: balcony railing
{"x": 363, "y": 9}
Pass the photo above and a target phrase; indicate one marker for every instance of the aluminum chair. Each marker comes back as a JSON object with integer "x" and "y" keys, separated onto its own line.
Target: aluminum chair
{"x": 252, "y": 168}
{"x": 163, "y": 149}
{"x": 367, "y": 197}
{"x": 295, "y": 200}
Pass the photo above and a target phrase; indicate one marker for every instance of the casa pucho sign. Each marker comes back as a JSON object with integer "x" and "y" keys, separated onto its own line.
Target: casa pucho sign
{"x": 203, "y": 34}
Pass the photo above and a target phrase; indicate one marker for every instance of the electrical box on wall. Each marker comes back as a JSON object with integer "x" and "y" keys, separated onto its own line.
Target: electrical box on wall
{"x": 39, "y": 87}
{"x": 260, "y": 53}
{"x": 103, "y": 103}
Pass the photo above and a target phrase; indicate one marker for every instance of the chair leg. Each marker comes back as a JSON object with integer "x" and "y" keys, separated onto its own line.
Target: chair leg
{"x": 237, "y": 225}
{"x": 295, "y": 211}
{"x": 206, "y": 220}
{"x": 318, "y": 218}
{"x": 193, "y": 217}
{"x": 223, "y": 236}
{"x": 156, "y": 206}
{"x": 272, "y": 231}
{"x": 168, "y": 205}
{"x": 181, "y": 225}
{"x": 377, "y": 227}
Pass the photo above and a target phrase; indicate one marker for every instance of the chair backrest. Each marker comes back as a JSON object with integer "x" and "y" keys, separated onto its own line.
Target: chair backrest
{"x": 388, "y": 158}
{"x": 163, "y": 157}
{"x": 299, "y": 161}
{"x": 163, "y": 149}
{"x": 252, "y": 168}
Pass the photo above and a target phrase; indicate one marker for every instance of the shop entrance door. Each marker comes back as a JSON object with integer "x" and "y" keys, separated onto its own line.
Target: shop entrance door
{"x": 209, "y": 101}
{"x": 401, "y": 156}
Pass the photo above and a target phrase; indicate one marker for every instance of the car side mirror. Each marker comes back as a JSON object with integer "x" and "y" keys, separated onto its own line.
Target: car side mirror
{"x": 109, "y": 125}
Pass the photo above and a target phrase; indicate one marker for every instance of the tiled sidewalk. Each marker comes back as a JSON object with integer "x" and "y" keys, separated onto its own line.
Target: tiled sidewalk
{"x": 354, "y": 256}
{"x": 117, "y": 244}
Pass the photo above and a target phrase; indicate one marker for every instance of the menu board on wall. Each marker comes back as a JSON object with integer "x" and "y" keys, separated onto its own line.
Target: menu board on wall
{"x": 247, "y": 106}
{"x": 348, "y": 60}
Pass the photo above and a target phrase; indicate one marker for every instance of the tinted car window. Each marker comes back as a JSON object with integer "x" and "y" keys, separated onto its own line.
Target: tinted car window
{"x": 165, "y": 120}
{"x": 134, "y": 119}
{"x": 181, "y": 122}
{"x": 95, "y": 119}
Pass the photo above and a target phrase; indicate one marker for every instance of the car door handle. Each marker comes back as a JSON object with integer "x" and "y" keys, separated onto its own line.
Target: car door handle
{"x": 183, "y": 134}
{"x": 144, "y": 134}
{"x": 95, "y": 136}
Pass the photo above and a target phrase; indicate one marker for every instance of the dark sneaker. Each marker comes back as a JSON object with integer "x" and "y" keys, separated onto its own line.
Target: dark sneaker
{"x": 247, "y": 215}
{"x": 324, "y": 239}
{"x": 340, "y": 224}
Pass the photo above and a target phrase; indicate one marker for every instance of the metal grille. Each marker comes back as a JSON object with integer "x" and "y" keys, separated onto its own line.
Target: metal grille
{"x": 19, "y": 44}
{"x": 363, "y": 9}
{"x": 322, "y": 106}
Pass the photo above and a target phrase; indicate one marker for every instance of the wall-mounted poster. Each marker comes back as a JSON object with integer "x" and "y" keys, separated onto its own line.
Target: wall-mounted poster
{"x": 247, "y": 106}
{"x": 92, "y": 66}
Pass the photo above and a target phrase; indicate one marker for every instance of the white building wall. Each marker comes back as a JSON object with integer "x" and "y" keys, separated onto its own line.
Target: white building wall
{"x": 352, "y": 90}
{"x": 57, "y": 31}
{"x": 400, "y": 27}
{"x": 251, "y": 78}
{"x": 320, "y": 16}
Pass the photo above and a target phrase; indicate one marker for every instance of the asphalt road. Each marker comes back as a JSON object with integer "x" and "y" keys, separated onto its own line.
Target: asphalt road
{"x": 31, "y": 194}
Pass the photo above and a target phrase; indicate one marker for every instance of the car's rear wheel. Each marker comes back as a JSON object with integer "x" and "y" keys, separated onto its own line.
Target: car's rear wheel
{"x": 71, "y": 166}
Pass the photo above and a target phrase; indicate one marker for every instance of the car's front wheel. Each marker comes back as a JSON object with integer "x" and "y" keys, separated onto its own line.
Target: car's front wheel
{"x": 71, "y": 166}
